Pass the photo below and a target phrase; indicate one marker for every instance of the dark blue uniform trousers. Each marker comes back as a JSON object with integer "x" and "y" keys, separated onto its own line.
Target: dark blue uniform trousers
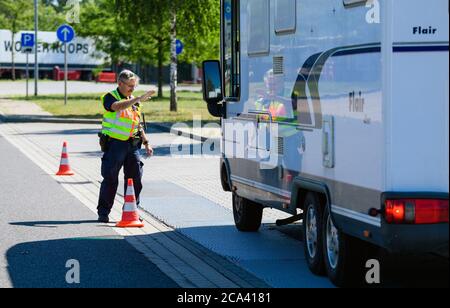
{"x": 119, "y": 154}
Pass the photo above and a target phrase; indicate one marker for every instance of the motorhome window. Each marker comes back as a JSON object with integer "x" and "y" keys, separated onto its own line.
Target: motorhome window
{"x": 231, "y": 50}
{"x": 285, "y": 16}
{"x": 353, "y": 3}
{"x": 258, "y": 27}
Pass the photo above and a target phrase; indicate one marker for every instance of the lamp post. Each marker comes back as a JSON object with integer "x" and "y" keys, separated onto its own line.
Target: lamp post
{"x": 36, "y": 64}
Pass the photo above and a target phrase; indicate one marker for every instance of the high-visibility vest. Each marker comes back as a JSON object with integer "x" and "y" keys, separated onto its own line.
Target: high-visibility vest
{"x": 120, "y": 125}
{"x": 286, "y": 126}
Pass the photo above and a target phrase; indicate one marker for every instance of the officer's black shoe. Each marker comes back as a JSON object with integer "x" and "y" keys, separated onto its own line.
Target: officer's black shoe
{"x": 103, "y": 219}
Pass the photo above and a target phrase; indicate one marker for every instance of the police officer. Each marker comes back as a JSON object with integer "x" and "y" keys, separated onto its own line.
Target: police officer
{"x": 122, "y": 137}
{"x": 271, "y": 99}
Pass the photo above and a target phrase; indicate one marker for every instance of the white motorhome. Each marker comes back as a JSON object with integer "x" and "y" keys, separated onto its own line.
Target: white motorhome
{"x": 337, "y": 112}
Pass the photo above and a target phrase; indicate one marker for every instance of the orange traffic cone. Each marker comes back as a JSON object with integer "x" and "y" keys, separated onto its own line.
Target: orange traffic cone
{"x": 64, "y": 167}
{"x": 130, "y": 216}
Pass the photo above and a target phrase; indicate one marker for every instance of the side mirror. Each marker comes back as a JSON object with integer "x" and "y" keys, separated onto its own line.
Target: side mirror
{"x": 212, "y": 82}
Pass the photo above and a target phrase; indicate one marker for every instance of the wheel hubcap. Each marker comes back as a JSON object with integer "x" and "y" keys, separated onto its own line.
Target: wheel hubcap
{"x": 311, "y": 231}
{"x": 332, "y": 244}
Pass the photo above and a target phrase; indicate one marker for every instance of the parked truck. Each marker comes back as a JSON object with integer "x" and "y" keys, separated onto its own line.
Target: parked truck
{"x": 82, "y": 58}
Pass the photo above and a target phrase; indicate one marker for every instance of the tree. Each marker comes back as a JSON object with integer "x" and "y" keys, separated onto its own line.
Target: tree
{"x": 49, "y": 17}
{"x": 16, "y": 15}
{"x": 3, "y": 24}
{"x": 151, "y": 44}
{"x": 100, "y": 21}
{"x": 175, "y": 5}
{"x": 195, "y": 22}
{"x": 57, "y": 5}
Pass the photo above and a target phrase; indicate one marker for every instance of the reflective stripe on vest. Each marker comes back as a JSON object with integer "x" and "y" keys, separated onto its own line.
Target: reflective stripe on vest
{"x": 120, "y": 125}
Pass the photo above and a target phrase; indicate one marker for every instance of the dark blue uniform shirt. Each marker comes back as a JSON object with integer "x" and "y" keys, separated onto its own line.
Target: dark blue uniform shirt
{"x": 110, "y": 100}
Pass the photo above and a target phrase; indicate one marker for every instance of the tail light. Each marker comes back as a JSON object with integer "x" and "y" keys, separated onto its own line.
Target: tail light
{"x": 416, "y": 211}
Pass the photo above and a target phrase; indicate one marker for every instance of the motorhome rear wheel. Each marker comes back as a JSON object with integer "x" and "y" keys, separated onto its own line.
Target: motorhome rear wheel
{"x": 312, "y": 233}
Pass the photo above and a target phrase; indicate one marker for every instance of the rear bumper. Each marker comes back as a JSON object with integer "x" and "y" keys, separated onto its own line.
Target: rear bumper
{"x": 399, "y": 238}
{"x": 416, "y": 238}
{"x": 404, "y": 238}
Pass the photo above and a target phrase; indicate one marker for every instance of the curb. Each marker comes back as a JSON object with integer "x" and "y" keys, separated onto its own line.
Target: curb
{"x": 9, "y": 119}
{"x": 167, "y": 128}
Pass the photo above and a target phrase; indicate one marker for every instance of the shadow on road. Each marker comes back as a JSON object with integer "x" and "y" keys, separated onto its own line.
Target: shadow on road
{"x": 397, "y": 271}
{"x": 113, "y": 262}
{"x": 84, "y": 131}
{"x": 104, "y": 262}
{"x": 52, "y": 224}
{"x": 78, "y": 131}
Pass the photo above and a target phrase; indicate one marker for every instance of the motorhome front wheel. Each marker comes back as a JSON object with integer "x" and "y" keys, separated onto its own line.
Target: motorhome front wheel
{"x": 247, "y": 214}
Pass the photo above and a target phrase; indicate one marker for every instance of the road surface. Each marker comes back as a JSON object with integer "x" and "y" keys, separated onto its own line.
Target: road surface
{"x": 190, "y": 234}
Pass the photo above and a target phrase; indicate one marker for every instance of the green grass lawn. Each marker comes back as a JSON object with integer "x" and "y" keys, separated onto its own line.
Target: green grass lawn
{"x": 88, "y": 106}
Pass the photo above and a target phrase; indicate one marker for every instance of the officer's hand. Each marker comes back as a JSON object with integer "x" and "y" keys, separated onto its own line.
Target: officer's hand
{"x": 147, "y": 95}
{"x": 149, "y": 150}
